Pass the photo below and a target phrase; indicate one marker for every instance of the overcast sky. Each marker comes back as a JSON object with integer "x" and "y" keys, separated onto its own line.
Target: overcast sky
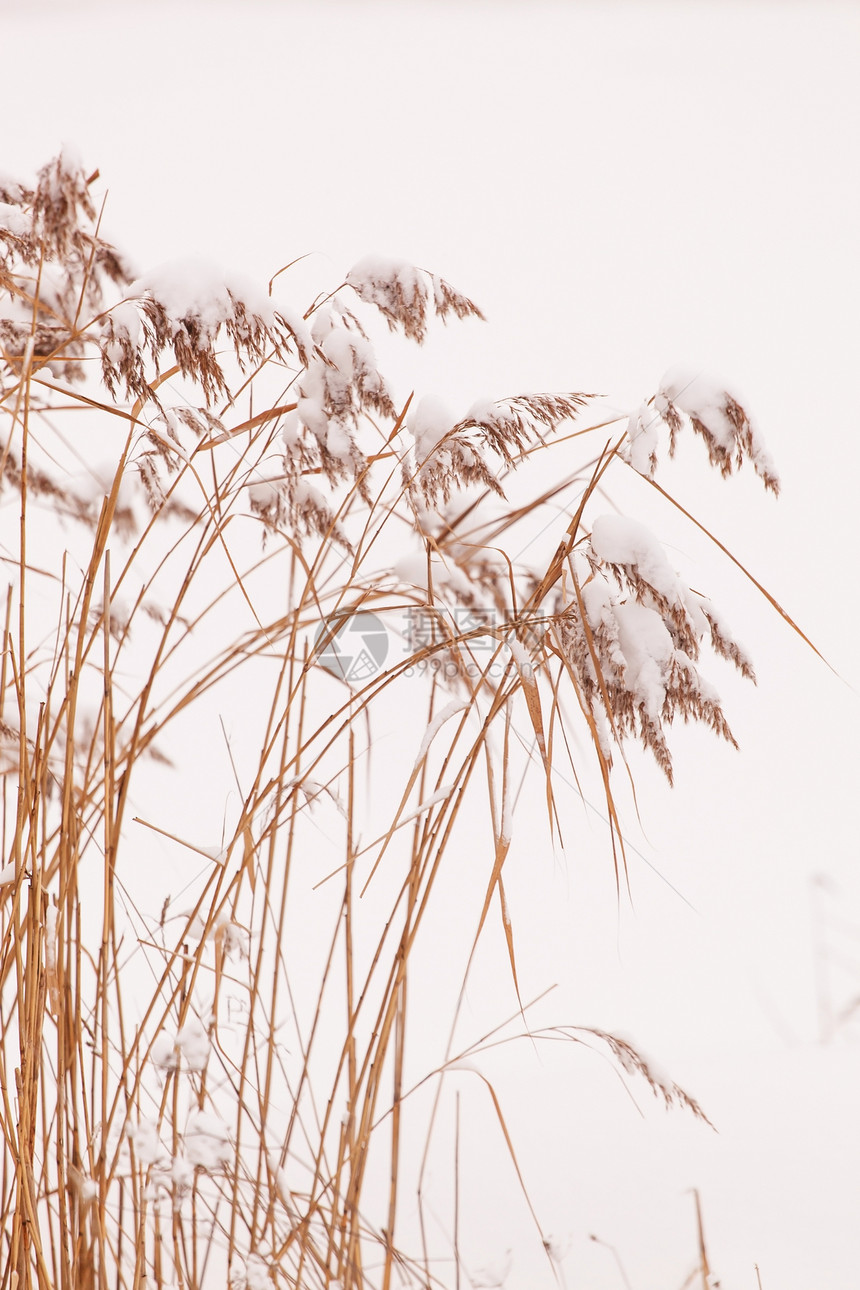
{"x": 620, "y": 187}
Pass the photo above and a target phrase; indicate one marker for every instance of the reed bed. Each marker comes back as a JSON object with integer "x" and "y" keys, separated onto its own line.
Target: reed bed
{"x": 233, "y": 558}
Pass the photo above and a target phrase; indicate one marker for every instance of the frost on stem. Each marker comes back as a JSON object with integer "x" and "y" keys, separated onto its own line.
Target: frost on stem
{"x": 207, "y": 1141}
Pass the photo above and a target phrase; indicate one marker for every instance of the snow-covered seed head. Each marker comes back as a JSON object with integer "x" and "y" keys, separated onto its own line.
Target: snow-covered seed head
{"x": 719, "y": 418}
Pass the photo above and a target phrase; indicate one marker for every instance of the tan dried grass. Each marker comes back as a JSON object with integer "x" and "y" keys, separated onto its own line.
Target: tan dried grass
{"x": 103, "y": 1181}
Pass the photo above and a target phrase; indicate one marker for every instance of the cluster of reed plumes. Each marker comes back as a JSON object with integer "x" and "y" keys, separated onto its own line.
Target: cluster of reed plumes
{"x": 196, "y": 476}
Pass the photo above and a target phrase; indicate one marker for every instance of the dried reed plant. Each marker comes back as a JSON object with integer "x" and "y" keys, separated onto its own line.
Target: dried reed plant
{"x": 174, "y": 1111}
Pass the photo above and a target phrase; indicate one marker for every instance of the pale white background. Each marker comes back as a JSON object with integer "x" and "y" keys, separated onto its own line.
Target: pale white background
{"x": 620, "y": 187}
